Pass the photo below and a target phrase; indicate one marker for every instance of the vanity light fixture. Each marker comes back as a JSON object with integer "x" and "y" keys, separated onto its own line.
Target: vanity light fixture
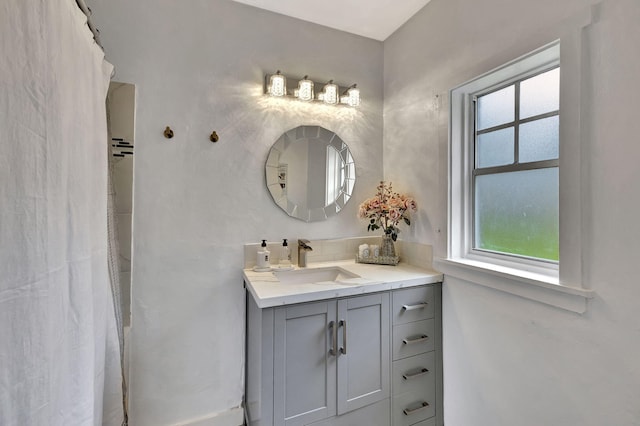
{"x": 351, "y": 96}
{"x": 330, "y": 93}
{"x": 278, "y": 84}
{"x": 304, "y": 89}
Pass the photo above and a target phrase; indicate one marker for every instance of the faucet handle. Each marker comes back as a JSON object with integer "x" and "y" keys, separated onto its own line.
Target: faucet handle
{"x": 302, "y": 243}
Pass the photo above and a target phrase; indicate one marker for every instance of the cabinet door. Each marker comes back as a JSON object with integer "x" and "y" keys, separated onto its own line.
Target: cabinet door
{"x": 304, "y": 369}
{"x": 363, "y": 355}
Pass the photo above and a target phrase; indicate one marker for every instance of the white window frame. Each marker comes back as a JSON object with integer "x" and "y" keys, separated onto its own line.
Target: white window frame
{"x": 463, "y": 160}
{"x": 533, "y": 279}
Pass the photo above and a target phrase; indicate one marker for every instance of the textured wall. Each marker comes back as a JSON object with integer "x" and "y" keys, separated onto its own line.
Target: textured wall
{"x": 198, "y": 66}
{"x": 511, "y": 361}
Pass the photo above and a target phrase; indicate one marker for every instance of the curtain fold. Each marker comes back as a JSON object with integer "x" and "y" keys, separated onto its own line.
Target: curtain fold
{"x": 59, "y": 351}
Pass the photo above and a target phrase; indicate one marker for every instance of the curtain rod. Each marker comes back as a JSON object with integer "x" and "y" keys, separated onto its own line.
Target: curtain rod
{"x": 87, "y": 11}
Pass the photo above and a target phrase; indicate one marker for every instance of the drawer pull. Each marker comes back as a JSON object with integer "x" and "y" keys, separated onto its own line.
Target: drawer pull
{"x": 420, "y": 339}
{"x": 334, "y": 338}
{"x": 408, "y": 412}
{"x": 420, "y": 305}
{"x": 422, "y": 372}
{"x": 343, "y": 324}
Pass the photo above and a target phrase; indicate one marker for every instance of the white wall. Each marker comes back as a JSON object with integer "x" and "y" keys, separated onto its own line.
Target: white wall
{"x": 510, "y": 361}
{"x": 198, "y": 66}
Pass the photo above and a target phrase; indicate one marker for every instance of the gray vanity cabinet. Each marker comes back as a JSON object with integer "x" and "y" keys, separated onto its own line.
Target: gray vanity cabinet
{"x": 321, "y": 359}
{"x": 371, "y": 360}
{"x": 304, "y": 373}
{"x": 330, "y": 358}
{"x": 363, "y": 351}
{"x": 417, "y": 357}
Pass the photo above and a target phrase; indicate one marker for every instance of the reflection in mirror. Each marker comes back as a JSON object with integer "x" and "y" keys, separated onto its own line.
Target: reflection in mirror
{"x": 310, "y": 173}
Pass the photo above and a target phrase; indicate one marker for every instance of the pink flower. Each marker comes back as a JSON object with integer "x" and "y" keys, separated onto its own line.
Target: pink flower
{"x": 362, "y": 211}
{"x": 386, "y": 209}
{"x": 410, "y": 204}
{"x": 395, "y": 215}
{"x": 397, "y": 203}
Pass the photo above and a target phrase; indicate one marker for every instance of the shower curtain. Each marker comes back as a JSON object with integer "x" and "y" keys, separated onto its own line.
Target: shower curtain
{"x": 59, "y": 354}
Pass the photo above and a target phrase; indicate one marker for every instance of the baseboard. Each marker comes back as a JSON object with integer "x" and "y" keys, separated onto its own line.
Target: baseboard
{"x": 232, "y": 417}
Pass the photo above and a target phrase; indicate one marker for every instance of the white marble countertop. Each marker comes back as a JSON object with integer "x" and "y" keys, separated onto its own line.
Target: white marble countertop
{"x": 268, "y": 291}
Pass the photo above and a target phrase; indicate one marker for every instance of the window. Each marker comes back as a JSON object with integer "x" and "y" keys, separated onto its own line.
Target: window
{"x": 505, "y": 149}
{"x": 500, "y": 140}
{"x": 515, "y": 168}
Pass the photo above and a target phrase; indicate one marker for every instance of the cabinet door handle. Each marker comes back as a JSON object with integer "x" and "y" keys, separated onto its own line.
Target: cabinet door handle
{"x": 422, "y": 372}
{"x": 408, "y": 412}
{"x": 420, "y": 305}
{"x": 334, "y": 338}
{"x": 343, "y": 324}
{"x": 420, "y": 339}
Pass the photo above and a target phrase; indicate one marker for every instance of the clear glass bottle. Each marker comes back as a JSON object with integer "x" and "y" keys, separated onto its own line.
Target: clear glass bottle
{"x": 285, "y": 254}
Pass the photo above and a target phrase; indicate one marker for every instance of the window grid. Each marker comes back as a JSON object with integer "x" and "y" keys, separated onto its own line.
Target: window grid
{"x": 516, "y": 165}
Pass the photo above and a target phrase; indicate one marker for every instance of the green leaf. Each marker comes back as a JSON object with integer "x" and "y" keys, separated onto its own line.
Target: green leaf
{"x": 407, "y": 221}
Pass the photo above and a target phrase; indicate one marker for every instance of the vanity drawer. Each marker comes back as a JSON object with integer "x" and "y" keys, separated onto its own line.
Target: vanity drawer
{"x": 410, "y": 408}
{"x": 413, "y": 338}
{"x": 413, "y": 304}
{"x": 429, "y": 422}
{"x": 415, "y": 374}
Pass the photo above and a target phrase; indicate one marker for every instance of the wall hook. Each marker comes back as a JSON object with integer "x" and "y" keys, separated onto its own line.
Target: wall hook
{"x": 168, "y": 133}
{"x": 214, "y": 137}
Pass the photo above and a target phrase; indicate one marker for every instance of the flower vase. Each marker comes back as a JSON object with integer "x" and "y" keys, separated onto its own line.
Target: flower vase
{"x": 388, "y": 248}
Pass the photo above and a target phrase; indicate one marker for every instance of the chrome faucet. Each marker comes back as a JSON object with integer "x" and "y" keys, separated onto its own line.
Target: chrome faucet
{"x": 303, "y": 248}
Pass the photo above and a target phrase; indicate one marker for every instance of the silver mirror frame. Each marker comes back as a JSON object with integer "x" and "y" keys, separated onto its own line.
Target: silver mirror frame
{"x": 276, "y": 184}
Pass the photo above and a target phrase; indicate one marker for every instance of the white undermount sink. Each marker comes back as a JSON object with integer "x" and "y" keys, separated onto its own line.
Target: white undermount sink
{"x": 328, "y": 275}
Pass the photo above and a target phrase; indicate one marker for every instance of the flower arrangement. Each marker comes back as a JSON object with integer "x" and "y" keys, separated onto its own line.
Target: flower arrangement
{"x": 387, "y": 209}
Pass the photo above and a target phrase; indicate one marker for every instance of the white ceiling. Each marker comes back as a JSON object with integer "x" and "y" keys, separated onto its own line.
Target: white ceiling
{"x": 376, "y": 19}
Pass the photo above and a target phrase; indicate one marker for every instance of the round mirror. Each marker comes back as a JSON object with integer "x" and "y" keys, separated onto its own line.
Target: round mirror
{"x": 310, "y": 173}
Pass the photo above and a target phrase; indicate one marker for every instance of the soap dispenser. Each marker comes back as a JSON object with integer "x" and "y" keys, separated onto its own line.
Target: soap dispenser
{"x": 285, "y": 254}
{"x": 262, "y": 260}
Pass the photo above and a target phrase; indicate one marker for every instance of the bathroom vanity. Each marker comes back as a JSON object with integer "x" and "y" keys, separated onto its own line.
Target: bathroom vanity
{"x": 342, "y": 343}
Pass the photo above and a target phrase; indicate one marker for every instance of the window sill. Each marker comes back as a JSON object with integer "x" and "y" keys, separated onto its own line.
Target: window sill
{"x": 529, "y": 285}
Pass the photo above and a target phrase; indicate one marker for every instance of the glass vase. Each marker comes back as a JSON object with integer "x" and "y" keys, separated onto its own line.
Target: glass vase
{"x": 387, "y": 248}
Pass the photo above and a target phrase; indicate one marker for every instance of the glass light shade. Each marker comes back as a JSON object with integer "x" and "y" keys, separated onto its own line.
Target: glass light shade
{"x": 277, "y": 85}
{"x": 305, "y": 89}
{"x": 331, "y": 93}
{"x": 353, "y": 96}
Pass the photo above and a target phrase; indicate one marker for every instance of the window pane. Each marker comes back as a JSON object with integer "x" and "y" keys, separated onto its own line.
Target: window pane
{"x": 517, "y": 213}
{"x": 540, "y": 94}
{"x": 539, "y": 140}
{"x": 496, "y": 148}
{"x": 496, "y": 108}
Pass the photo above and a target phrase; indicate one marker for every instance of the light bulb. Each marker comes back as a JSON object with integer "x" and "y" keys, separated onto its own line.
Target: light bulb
{"x": 330, "y": 93}
{"x": 353, "y": 96}
{"x": 305, "y": 89}
{"x": 278, "y": 84}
